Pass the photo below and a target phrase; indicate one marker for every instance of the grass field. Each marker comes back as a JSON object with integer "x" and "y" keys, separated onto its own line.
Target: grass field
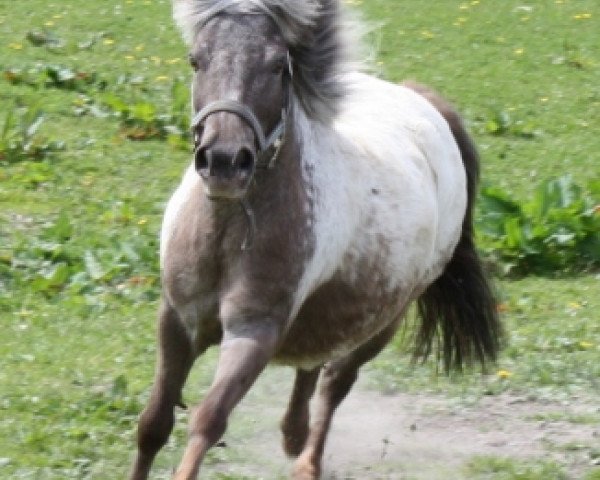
{"x": 82, "y": 193}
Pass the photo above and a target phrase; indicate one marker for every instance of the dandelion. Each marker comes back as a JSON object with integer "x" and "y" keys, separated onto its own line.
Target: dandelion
{"x": 585, "y": 345}
{"x": 544, "y": 99}
{"x": 574, "y": 305}
{"x": 582, "y": 16}
{"x": 502, "y": 307}
{"x": 172, "y": 61}
{"x": 504, "y": 374}
{"x": 49, "y": 23}
{"x": 162, "y": 78}
{"x": 142, "y": 221}
{"x": 108, "y": 41}
{"x": 519, "y": 51}
{"x": 129, "y": 57}
{"x": 15, "y": 46}
{"x": 427, "y": 34}
{"x": 139, "y": 48}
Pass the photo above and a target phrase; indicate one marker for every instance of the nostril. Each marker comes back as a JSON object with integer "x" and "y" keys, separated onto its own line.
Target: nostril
{"x": 202, "y": 160}
{"x": 244, "y": 160}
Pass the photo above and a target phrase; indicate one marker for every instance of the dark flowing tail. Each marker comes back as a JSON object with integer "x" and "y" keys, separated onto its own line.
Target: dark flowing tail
{"x": 459, "y": 309}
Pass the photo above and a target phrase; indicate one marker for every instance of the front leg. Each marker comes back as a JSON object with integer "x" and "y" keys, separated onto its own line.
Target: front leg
{"x": 245, "y": 350}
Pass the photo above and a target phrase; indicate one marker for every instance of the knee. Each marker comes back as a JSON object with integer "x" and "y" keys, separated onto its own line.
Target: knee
{"x": 209, "y": 423}
{"x": 154, "y": 429}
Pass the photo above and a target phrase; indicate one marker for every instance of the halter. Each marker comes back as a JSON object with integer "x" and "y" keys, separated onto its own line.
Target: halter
{"x": 275, "y": 139}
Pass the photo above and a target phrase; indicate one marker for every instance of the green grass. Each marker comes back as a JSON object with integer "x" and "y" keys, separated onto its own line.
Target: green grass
{"x": 78, "y": 228}
{"x": 483, "y": 468}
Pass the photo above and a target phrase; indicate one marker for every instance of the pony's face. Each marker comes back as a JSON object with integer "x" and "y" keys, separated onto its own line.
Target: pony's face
{"x": 239, "y": 60}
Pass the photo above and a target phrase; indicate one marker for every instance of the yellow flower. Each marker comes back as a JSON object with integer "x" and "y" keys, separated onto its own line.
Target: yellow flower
{"x": 519, "y": 51}
{"x": 142, "y": 221}
{"x": 427, "y": 34}
{"x": 162, "y": 78}
{"x": 15, "y": 46}
{"x": 585, "y": 345}
{"x": 129, "y": 57}
{"x": 49, "y": 23}
{"x": 574, "y": 305}
{"x": 504, "y": 374}
{"x": 172, "y": 61}
{"x": 139, "y": 48}
{"x": 108, "y": 41}
{"x": 582, "y": 16}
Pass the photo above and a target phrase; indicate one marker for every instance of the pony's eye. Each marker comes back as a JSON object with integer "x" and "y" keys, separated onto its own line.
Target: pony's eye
{"x": 279, "y": 66}
{"x": 193, "y": 62}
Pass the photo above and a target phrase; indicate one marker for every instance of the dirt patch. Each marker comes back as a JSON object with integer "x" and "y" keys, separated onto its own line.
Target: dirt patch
{"x": 406, "y": 436}
{"x": 421, "y": 437}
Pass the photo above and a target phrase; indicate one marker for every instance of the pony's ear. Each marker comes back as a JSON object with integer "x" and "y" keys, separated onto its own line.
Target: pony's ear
{"x": 183, "y": 14}
{"x": 189, "y": 15}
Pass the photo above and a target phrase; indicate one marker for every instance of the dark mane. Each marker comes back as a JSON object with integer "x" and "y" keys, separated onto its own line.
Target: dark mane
{"x": 312, "y": 30}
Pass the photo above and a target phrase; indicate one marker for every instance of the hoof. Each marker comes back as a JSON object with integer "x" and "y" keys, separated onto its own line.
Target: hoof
{"x": 304, "y": 470}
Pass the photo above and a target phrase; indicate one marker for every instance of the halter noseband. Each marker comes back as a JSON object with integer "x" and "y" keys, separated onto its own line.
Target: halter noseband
{"x": 275, "y": 139}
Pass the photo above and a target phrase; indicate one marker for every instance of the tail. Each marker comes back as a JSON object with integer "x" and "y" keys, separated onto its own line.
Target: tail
{"x": 459, "y": 309}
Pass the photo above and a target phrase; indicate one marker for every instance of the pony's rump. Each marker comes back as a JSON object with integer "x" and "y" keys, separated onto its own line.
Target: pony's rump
{"x": 459, "y": 307}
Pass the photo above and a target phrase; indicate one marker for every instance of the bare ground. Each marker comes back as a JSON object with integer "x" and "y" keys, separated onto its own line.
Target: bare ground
{"x": 408, "y": 436}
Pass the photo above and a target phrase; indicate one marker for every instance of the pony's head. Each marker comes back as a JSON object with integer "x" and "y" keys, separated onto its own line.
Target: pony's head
{"x": 250, "y": 59}
{"x": 239, "y": 93}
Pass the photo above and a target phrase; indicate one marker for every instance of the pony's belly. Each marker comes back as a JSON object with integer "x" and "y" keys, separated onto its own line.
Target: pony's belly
{"x": 337, "y": 319}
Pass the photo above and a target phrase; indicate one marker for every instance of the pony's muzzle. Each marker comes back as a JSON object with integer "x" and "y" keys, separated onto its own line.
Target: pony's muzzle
{"x": 225, "y": 171}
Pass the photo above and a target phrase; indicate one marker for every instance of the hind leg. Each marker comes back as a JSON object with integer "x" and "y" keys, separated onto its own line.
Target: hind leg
{"x": 336, "y": 381}
{"x": 294, "y": 424}
{"x": 174, "y": 362}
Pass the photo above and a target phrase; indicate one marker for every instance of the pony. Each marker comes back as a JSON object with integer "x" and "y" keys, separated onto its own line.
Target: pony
{"x": 320, "y": 203}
